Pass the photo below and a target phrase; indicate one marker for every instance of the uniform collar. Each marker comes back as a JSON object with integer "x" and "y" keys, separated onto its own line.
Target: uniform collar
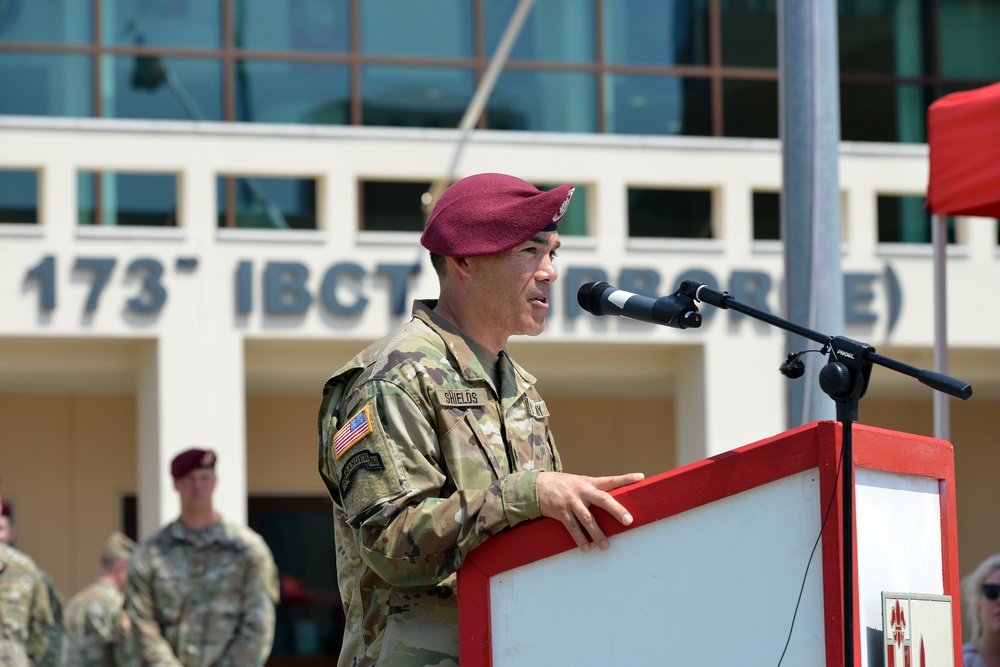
{"x": 454, "y": 339}
{"x": 215, "y": 533}
{"x": 458, "y": 347}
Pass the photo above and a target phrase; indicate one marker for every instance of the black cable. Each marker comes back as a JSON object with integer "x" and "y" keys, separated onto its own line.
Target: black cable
{"x": 826, "y": 516}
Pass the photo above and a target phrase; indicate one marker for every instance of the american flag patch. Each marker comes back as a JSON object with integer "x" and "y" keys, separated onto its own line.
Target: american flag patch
{"x": 351, "y": 432}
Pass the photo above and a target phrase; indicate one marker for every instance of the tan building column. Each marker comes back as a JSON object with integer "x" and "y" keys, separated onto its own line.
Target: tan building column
{"x": 747, "y": 395}
{"x": 190, "y": 394}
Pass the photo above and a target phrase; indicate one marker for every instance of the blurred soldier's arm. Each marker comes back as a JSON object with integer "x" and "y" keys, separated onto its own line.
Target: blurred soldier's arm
{"x": 254, "y": 635}
{"x": 52, "y": 657}
{"x": 41, "y": 620}
{"x": 123, "y": 642}
{"x": 145, "y": 636}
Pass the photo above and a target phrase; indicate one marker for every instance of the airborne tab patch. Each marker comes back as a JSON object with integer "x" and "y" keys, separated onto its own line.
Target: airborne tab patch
{"x": 462, "y": 398}
{"x": 351, "y": 432}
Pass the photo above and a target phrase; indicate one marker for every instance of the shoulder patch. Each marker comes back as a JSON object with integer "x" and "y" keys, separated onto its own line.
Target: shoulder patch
{"x": 462, "y": 398}
{"x": 352, "y": 432}
{"x": 365, "y": 460}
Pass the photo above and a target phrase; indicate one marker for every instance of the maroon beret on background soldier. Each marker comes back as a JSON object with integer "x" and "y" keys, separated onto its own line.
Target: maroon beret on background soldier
{"x": 192, "y": 459}
{"x": 489, "y": 213}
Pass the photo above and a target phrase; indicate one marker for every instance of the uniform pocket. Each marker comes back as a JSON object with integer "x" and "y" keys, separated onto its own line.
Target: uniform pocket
{"x": 473, "y": 448}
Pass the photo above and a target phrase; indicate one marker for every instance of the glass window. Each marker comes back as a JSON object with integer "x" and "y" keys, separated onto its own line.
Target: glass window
{"x": 415, "y": 96}
{"x": 46, "y": 84}
{"x": 883, "y": 112}
{"x": 541, "y": 101}
{"x": 299, "y": 25}
{"x": 750, "y": 108}
{"x": 749, "y": 33}
{"x": 109, "y": 198}
{"x": 766, "y": 216}
{"x": 162, "y": 88}
{"x": 656, "y": 32}
{"x": 18, "y": 196}
{"x": 53, "y": 21}
{"x": 658, "y": 105}
{"x": 174, "y": 23}
{"x": 684, "y": 214}
{"x": 438, "y": 29}
{"x": 293, "y": 92}
{"x": 903, "y": 219}
{"x": 882, "y": 37}
{"x": 555, "y": 30}
{"x": 266, "y": 202}
{"x": 967, "y": 35}
{"x": 393, "y": 206}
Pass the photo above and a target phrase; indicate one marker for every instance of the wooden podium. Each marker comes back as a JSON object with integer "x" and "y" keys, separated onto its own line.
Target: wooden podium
{"x": 733, "y": 560}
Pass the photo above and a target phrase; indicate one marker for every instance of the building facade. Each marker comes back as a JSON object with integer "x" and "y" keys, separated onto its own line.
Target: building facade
{"x": 207, "y": 207}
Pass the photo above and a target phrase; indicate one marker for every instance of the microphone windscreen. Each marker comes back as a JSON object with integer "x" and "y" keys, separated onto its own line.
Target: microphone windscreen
{"x": 589, "y": 297}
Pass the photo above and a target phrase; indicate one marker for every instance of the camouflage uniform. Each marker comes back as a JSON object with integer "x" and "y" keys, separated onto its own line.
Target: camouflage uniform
{"x": 202, "y": 598}
{"x": 54, "y": 652}
{"x": 93, "y": 621}
{"x": 433, "y": 459}
{"x": 25, "y": 614}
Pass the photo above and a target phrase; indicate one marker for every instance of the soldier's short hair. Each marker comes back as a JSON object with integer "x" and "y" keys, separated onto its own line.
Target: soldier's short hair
{"x": 118, "y": 547}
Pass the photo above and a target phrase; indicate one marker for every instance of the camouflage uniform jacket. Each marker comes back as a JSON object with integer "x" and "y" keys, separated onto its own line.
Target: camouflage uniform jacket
{"x": 93, "y": 625}
{"x": 202, "y": 598}
{"x": 424, "y": 460}
{"x": 25, "y": 614}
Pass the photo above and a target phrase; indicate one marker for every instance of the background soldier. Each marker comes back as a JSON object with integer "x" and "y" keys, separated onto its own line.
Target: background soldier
{"x": 201, "y": 591}
{"x": 25, "y": 614}
{"x": 94, "y": 615}
{"x": 52, "y": 657}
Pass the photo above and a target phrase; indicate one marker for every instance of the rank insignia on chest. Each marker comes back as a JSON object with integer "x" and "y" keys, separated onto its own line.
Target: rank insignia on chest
{"x": 351, "y": 432}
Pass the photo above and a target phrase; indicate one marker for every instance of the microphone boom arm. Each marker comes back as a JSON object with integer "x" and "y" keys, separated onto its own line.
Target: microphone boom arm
{"x": 845, "y": 346}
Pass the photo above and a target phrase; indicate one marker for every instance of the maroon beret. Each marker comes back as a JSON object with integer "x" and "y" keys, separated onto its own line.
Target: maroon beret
{"x": 485, "y": 214}
{"x": 4, "y": 508}
{"x": 192, "y": 459}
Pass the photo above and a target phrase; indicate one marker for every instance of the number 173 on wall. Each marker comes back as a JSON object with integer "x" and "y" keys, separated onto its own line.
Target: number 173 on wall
{"x": 149, "y": 299}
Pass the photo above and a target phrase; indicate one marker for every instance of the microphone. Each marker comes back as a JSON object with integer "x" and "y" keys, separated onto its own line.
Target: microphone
{"x": 676, "y": 310}
{"x": 793, "y": 367}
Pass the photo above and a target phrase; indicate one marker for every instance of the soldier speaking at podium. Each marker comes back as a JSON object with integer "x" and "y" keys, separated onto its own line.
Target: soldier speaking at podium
{"x": 433, "y": 439}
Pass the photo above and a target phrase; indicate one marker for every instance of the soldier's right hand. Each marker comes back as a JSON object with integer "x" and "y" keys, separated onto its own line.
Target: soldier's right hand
{"x": 568, "y": 498}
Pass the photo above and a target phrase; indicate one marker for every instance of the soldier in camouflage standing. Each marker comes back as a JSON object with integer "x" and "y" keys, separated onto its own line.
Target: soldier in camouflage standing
{"x": 433, "y": 439}
{"x": 94, "y": 615}
{"x": 52, "y": 657}
{"x": 201, "y": 591}
{"x": 25, "y": 615}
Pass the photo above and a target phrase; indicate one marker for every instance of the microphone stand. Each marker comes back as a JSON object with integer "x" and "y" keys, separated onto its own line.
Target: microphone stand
{"x": 845, "y": 379}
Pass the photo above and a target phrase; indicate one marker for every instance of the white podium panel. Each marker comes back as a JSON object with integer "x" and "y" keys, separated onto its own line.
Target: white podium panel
{"x": 898, "y": 519}
{"x": 697, "y": 589}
